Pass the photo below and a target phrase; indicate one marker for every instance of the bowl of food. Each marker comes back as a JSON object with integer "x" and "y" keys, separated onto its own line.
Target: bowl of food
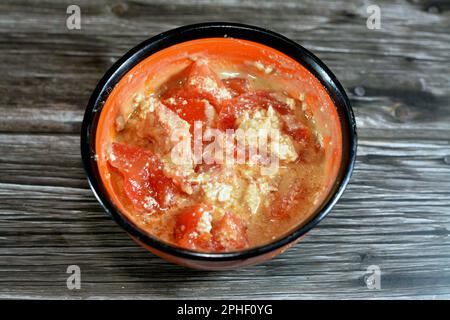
{"x": 218, "y": 145}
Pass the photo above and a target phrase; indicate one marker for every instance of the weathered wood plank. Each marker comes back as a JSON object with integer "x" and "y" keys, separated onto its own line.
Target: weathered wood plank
{"x": 395, "y": 213}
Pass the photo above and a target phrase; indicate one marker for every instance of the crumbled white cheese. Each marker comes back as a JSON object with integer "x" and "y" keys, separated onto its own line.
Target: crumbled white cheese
{"x": 204, "y": 224}
{"x": 151, "y": 104}
{"x": 267, "y": 122}
{"x": 252, "y": 198}
{"x": 200, "y": 178}
{"x": 209, "y": 85}
{"x": 291, "y": 122}
{"x": 319, "y": 138}
{"x": 120, "y": 123}
{"x": 266, "y": 69}
{"x": 178, "y": 172}
{"x": 112, "y": 156}
{"x": 138, "y": 98}
{"x": 305, "y": 109}
{"x": 219, "y": 191}
{"x": 286, "y": 150}
{"x": 291, "y": 103}
{"x": 225, "y": 193}
{"x": 256, "y": 193}
{"x": 259, "y": 119}
{"x": 210, "y": 112}
{"x": 150, "y": 202}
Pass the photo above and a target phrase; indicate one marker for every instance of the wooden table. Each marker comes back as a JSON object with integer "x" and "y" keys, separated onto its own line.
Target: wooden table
{"x": 395, "y": 213}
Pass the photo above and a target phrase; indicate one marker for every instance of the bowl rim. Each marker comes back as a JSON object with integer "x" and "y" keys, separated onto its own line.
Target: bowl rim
{"x": 211, "y": 30}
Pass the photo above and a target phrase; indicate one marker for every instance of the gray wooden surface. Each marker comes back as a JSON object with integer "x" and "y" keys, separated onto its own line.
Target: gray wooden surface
{"x": 394, "y": 214}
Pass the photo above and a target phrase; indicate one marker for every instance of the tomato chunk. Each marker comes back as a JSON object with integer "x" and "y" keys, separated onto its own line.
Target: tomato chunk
{"x": 231, "y": 111}
{"x": 193, "y": 230}
{"x": 126, "y": 158}
{"x": 283, "y": 205}
{"x": 234, "y": 108}
{"x": 203, "y": 83}
{"x": 187, "y": 108}
{"x": 265, "y": 99}
{"x": 236, "y": 86}
{"x": 298, "y": 132}
{"x": 229, "y": 233}
{"x": 144, "y": 181}
{"x": 193, "y": 226}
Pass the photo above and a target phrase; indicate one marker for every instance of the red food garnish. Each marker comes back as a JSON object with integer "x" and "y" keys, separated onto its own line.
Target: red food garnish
{"x": 193, "y": 226}
{"x": 229, "y": 233}
{"x": 144, "y": 181}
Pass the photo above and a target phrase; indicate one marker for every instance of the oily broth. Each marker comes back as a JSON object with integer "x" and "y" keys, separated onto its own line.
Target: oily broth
{"x": 261, "y": 227}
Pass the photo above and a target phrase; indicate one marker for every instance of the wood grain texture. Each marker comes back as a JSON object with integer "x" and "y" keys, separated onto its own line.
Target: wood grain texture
{"x": 395, "y": 212}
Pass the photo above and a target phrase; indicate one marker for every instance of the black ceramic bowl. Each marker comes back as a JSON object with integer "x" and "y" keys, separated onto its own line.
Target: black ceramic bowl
{"x": 214, "y": 30}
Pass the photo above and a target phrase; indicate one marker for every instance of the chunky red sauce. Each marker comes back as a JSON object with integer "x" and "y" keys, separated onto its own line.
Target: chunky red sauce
{"x": 181, "y": 139}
